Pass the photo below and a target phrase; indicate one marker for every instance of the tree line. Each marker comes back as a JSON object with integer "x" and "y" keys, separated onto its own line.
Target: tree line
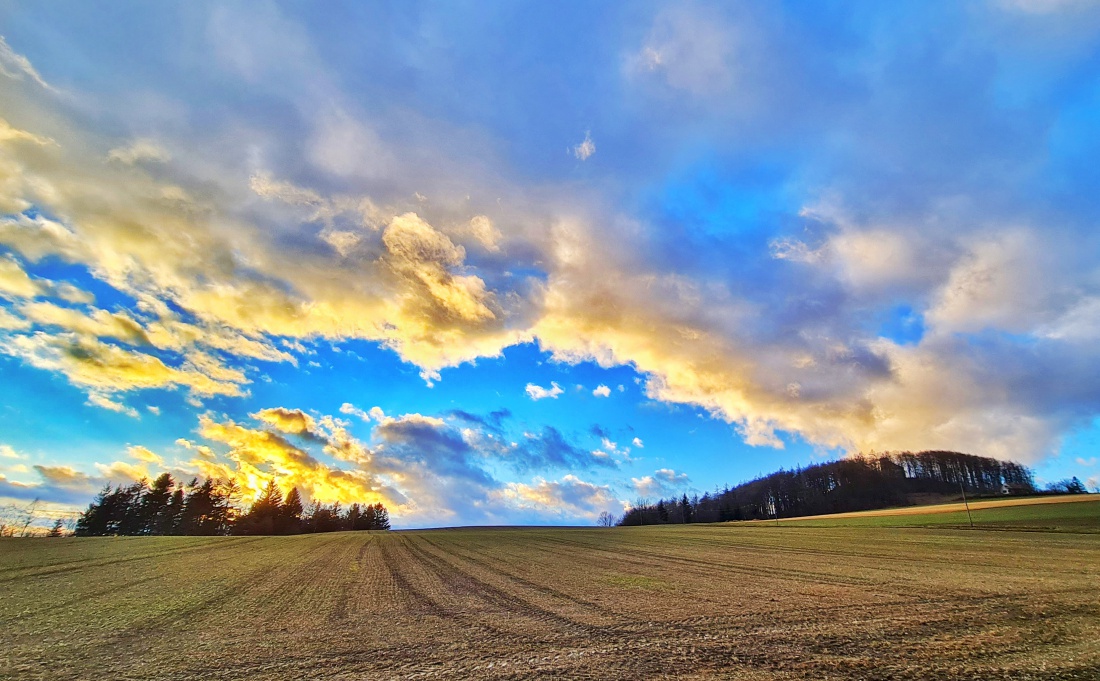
{"x": 856, "y": 484}
{"x": 166, "y": 507}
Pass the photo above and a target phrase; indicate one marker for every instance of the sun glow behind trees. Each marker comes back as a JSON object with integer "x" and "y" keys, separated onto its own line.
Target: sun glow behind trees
{"x": 209, "y": 508}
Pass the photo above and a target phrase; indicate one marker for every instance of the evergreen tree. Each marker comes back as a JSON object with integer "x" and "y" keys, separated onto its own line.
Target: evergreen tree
{"x": 369, "y": 520}
{"x": 685, "y": 509}
{"x": 381, "y": 517}
{"x": 93, "y": 522}
{"x": 290, "y": 514}
{"x": 264, "y": 515}
{"x": 155, "y": 501}
{"x": 170, "y": 522}
{"x": 354, "y": 518}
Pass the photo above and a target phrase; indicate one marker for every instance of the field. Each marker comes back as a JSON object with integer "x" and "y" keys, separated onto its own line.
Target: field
{"x": 739, "y": 601}
{"x": 1047, "y": 514}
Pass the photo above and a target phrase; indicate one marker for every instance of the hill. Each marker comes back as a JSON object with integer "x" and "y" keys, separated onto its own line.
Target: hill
{"x": 854, "y": 484}
{"x": 1052, "y": 513}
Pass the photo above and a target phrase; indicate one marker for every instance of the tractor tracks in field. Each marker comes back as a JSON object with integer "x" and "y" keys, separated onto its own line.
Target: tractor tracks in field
{"x": 75, "y": 566}
{"x": 708, "y": 567}
{"x": 492, "y": 566}
{"x": 461, "y": 580}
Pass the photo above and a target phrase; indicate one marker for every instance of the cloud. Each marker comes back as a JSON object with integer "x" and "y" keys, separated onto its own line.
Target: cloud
{"x": 864, "y": 191}
{"x": 14, "y": 282}
{"x": 64, "y": 487}
{"x": 664, "y": 482}
{"x": 493, "y": 422}
{"x": 255, "y": 455}
{"x": 103, "y": 369}
{"x": 480, "y": 230}
{"x": 16, "y": 66}
{"x": 140, "y": 151}
{"x": 290, "y": 421}
{"x": 690, "y": 49}
{"x": 638, "y": 443}
{"x": 103, "y": 402}
{"x": 98, "y": 324}
{"x": 144, "y": 455}
{"x": 569, "y": 497}
{"x": 537, "y": 392}
{"x": 602, "y": 391}
{"x": 585, "y": 149}
{"x": 549, "y": 449}
{"x": 7, "y": 452}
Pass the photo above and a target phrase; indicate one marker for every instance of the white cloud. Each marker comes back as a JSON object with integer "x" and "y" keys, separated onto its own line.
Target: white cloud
{"x": 104, "y": 402}
{"x": 16, "y": 66}
{"x": 537, "y": 392}
{"x": 139, "y": 151}
{"x": 638, "y": 443}
{"x": 569, "y": 497}
{"x": 585, "y": 149}
{"x": 664, "y": 482}
{"x": 690, "y": 49}
{"x": 602, "y": 391}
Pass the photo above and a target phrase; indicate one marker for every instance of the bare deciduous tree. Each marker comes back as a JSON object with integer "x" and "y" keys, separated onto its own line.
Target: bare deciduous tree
{"x": 26, "y": 516}
{"x": 605, "y": 519}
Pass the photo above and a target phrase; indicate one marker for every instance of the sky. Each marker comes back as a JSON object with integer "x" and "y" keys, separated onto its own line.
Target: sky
{"x": 526, "y": 262}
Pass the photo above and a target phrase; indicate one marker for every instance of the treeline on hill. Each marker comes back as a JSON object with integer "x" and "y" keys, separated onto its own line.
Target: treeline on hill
{"x": 207, "y": 508}
{"x": 857, "y": 484}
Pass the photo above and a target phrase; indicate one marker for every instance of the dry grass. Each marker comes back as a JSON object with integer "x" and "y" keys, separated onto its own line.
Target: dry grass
{"x": 743, "y": 602}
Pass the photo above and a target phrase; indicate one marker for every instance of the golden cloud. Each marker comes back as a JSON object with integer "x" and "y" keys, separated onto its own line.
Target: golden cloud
{"x": 144, "y": 455}
{"x": 292, "y": 421}
{"x": 258, "y": 455}
{"x": 14, "y": 282}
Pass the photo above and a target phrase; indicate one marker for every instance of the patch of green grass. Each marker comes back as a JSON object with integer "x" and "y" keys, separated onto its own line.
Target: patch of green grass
{"x": 1083, "y": 516}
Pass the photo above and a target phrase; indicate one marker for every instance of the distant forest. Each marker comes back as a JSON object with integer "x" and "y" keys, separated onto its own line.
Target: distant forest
{"x": 856, "y": 484}
{"x": 207, "y": 508}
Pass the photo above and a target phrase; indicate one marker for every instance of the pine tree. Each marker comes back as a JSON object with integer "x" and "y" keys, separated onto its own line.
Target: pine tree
{"x": 170, "y": 523}
{"x": 381, "y": 517}
{"x": 93, "y": 522}
{"x": 290, "y": 513}
{"x": 354, "y": 518}
{"x": 263, "y": 516}
{"x": 55, "y": 531}
{"x": 155, "y": 501}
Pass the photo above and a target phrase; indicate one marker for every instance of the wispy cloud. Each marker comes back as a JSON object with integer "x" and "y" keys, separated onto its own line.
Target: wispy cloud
{"x": 585, "y": 149}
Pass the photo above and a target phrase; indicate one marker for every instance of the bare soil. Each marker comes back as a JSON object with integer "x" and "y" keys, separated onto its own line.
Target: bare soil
{"x": 736, "y": 602}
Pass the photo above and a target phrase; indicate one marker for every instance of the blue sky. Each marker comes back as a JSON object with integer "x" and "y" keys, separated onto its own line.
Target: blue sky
{"x": 524, "y": 263}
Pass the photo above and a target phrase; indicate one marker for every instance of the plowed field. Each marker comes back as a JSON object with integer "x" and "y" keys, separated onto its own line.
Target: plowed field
{"x": 744, "y": 602}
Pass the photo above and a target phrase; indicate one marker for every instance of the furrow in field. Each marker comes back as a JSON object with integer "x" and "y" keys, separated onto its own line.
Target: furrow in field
{"x": 508, "y": 612}
{"x": 117, "y": 559}
{"x": 492, "y": 569}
